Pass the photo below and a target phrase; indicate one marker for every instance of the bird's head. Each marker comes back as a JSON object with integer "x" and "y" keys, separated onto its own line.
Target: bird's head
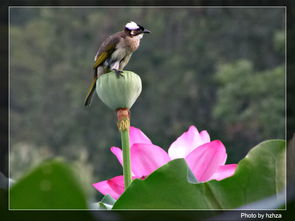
{"x": 133, "y": 29}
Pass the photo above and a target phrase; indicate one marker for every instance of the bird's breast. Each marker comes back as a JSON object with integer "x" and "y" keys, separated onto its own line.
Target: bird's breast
{"x": 130, "y": 43}
{"x": 125, "y": 47}
{"x": 120, "y": 53}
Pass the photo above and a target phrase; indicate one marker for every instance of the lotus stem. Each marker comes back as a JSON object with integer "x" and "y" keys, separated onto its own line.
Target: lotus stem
{"x": 123, "y": 126}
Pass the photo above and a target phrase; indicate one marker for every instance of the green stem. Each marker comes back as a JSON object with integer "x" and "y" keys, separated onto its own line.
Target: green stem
{"x": 126, "y": 158}
{"x": 123, "y": 124}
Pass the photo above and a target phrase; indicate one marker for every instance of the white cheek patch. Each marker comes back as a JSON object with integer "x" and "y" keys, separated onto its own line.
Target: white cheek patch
{"x": 132, "y": 25}
{"x": 140, "y": 36}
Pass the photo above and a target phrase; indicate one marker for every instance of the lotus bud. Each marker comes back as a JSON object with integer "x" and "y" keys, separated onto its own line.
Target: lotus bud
{"x": 119, "y": 92}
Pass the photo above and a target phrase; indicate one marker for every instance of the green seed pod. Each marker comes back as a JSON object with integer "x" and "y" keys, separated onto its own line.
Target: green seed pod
{"x": 118, "y": 92}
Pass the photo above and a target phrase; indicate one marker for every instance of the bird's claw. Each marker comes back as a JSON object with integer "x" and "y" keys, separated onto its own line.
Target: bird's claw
{"x": 118, "y": 73}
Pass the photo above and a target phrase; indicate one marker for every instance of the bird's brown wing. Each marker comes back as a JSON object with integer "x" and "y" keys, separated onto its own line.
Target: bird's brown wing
{"x": 107, "y": 48}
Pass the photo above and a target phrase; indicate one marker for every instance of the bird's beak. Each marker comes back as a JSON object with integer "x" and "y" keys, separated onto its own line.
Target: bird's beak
{"x": 146, "y": 31}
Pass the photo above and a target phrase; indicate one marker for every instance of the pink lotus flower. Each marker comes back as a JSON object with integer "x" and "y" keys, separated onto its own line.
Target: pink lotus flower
{"x": 205, "y": 158}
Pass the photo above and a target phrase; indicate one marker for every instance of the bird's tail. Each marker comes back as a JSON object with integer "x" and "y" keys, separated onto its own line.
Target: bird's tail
{"x": 90, "y": 92}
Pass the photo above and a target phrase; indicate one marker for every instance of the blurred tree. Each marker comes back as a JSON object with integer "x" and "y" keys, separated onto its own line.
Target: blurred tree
{"x": 250, "y": 101}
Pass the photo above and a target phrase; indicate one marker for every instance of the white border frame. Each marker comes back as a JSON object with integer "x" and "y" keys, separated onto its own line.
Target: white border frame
{"x": 168, "y": 7}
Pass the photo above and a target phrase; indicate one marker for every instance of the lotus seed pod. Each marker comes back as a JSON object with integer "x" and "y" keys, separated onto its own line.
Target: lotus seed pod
{"x": 118, "y": 92}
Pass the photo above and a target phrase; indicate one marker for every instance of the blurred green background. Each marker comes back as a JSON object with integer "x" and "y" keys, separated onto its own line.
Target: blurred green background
{"x": 220, "y": 69}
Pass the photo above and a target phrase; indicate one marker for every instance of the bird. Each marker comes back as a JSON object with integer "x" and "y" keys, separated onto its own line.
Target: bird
{"x": 115, "y": 52}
